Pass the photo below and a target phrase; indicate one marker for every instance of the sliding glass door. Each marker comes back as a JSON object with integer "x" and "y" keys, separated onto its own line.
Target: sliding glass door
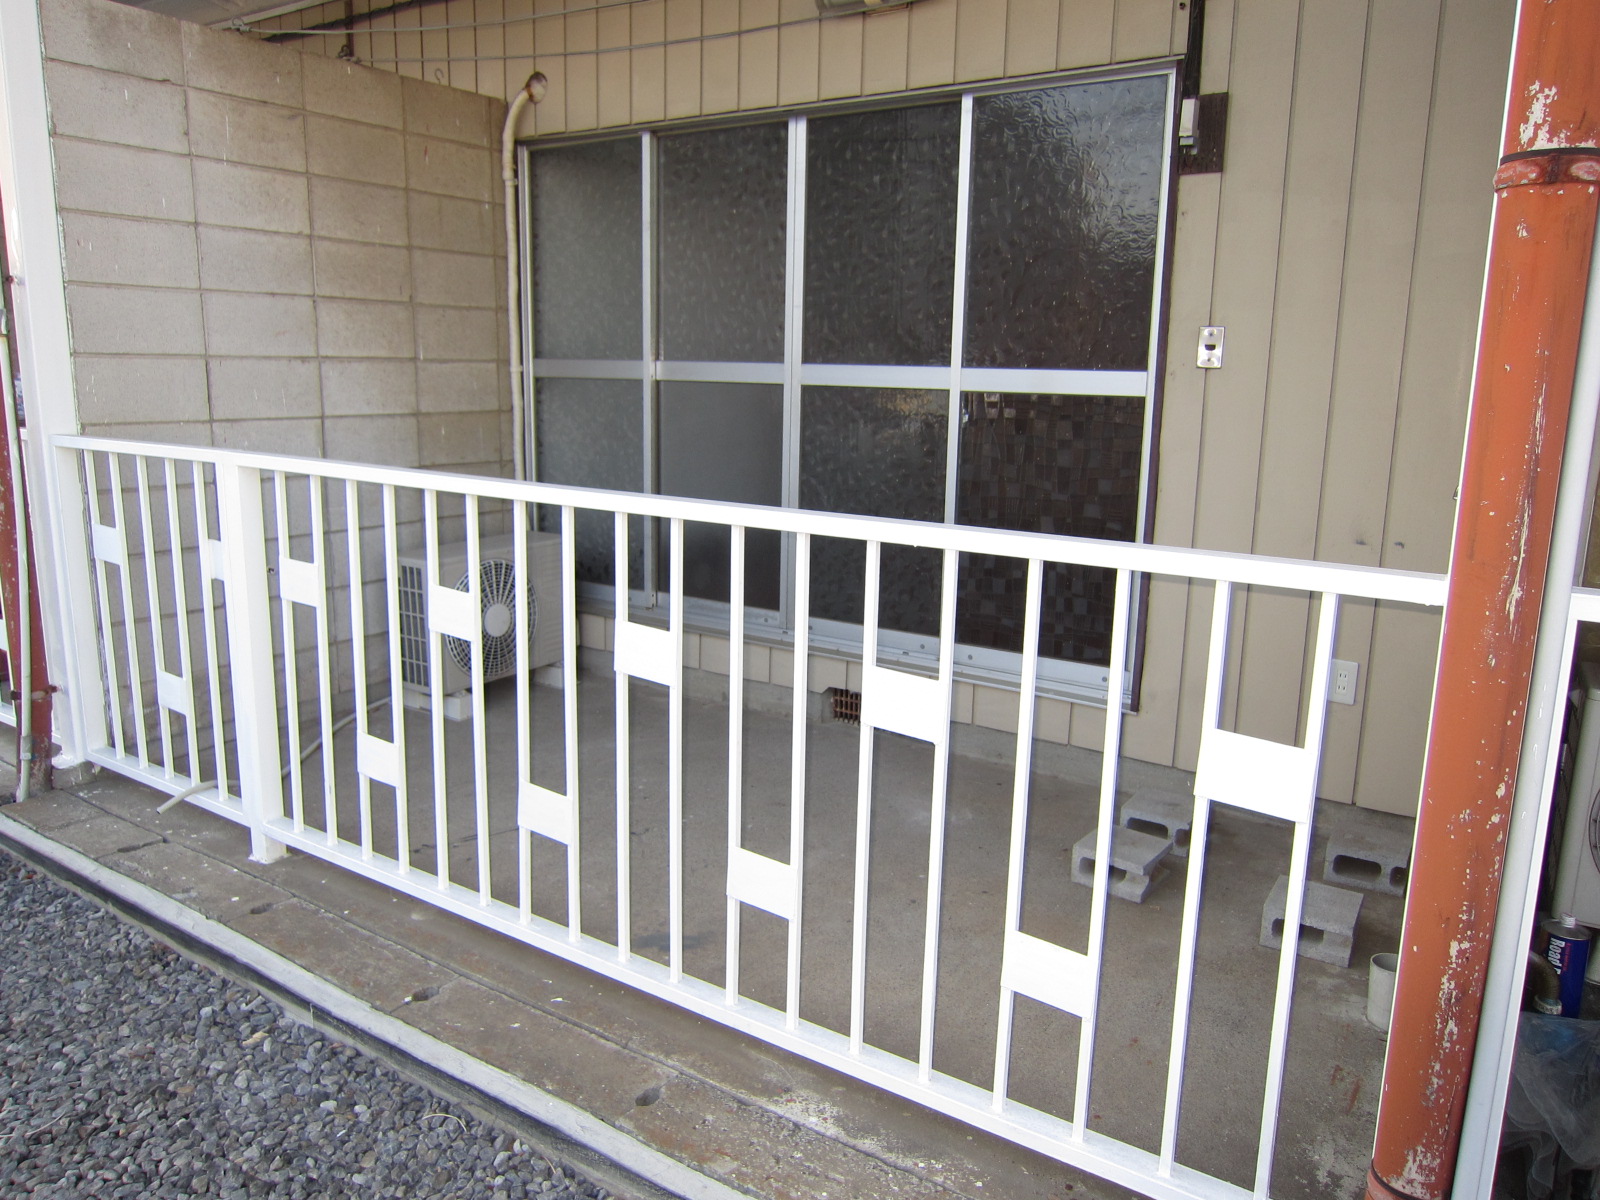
{"x": 941, "y": 311}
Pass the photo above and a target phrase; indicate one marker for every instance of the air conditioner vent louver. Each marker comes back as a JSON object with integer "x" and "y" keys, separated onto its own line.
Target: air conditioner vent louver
{"x": 499, "y": 608}
{"x": 413, "y": 626}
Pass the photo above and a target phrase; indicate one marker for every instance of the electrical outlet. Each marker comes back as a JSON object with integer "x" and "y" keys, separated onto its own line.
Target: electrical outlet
{"x": 1342, "y": 687}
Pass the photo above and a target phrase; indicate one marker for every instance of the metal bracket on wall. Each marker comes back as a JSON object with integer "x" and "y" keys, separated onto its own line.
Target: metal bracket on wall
{"x": 1202, "y": 131}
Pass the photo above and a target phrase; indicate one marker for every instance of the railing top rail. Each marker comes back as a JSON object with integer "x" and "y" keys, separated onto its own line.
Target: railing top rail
{"x": 1375, "y": 583}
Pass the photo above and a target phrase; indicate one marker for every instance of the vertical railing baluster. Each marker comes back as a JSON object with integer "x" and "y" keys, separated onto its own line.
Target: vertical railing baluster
{"x": 569, "y": 698}
{"x": 735, "y": 748}
{"x": 441, "y": 812}
{"x": 211, "y": 571}
{"x": 130, "y": 619}
{"x": 291, "y": 655}
{"x": 152, "y": 588}
{"x": 858, "y": 922}
{"x": 800, "y": 695}
{"x": 397, "y": 711}
{"x": 180, "y": 604}
{"x": 249, "y": 620}
{"x": 1110, "y": 754}
{"x": 319, "y": 555}
{"x": 119, "y": 733}
{"x": 1216, "y": 661}
{"x": 519, "y": 558}
{"x": 1021, "y": 789}
{"x": 675, "y": 757}
{"x": 480, "y": 731}
{"x": 623, "y": 740}
{"x": 1294, "y": 898}
{"x": 358, "y": 661}
{"x": 936, "y": 828}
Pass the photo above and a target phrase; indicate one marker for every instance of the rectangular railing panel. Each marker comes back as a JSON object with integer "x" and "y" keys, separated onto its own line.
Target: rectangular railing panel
{"x": 284, "y": 589}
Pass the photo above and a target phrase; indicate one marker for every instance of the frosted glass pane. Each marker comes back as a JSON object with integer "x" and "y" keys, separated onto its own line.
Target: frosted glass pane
{"x": 880, "y": 235}
{"x": 1065, "y": 203}
{"x": 590, "y": 432}
{"x": 723, "y": 442}
{"x": 722, "y": 211}
{"x": 1046, "y": 464}
{"x": 879, "y": 453}
{"x": 585, "y": 218}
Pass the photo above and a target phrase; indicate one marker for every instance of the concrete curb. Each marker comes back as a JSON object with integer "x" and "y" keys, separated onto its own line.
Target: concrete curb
{"x": 611, "y": 1157}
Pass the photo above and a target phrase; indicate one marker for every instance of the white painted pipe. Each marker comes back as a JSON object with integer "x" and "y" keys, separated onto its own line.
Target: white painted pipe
{"x": 531, "y": 93}
{"x": 1380, "y": 989}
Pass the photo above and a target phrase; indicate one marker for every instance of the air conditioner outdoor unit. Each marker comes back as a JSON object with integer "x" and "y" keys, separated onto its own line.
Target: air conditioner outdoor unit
{"x": 539, "y": 597}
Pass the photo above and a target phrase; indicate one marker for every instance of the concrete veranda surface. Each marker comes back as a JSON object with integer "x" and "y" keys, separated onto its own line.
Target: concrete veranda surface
{"x": 756, "y": 1118}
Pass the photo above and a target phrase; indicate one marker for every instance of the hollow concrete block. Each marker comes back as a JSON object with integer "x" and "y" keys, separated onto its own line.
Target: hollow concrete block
{"x": 1135, "y": 862}
{"x": 1161, "y": 814}
{"x": 1327, "y": 921}
{"x": 1367, "y": 859}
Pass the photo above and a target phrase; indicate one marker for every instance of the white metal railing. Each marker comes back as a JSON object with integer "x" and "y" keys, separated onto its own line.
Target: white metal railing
{"x": 249, "y": 612}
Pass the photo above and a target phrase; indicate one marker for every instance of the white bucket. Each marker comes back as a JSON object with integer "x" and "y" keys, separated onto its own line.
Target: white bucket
{"x": 1380, "y": 989}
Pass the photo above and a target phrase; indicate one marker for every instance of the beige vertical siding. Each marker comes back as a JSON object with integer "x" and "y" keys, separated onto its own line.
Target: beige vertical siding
{"x": 1342, "y": 249}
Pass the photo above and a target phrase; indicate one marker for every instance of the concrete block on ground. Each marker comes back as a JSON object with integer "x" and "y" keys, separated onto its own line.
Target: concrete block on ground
{"x": 1160, "y": 814}
{"x": 1368, "y": 858}
{"x": 1135, "y": 862}
{"x": 1327, "y": 921}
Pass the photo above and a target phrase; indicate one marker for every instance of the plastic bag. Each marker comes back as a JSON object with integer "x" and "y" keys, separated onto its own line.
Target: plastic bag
{"x": 1553, "y": 1103}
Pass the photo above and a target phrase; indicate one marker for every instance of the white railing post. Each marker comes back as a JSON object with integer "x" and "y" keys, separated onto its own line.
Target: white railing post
{"x": 250, "y": 660}
{"x": 77, "y": 669}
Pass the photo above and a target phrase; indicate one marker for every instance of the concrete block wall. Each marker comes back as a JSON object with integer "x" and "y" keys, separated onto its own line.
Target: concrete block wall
{"x": 272, "y": 251}
{"x": 266, "y": 251}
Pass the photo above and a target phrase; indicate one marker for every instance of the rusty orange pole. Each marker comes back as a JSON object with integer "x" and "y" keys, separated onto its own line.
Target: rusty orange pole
{"x": 1544, "y": 223}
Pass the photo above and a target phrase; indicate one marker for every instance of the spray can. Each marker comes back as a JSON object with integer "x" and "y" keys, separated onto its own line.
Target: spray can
{"x": 1568, "y": 952}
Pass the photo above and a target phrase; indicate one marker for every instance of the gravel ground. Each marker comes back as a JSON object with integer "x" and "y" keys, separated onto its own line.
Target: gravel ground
{"x": 128, "y": 1071}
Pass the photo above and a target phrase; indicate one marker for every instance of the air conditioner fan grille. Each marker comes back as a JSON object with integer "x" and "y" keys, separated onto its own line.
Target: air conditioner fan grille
{"x": 497, "y": 580}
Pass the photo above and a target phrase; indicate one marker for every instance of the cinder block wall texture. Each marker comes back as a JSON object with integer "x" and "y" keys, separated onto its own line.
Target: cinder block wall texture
{"x": 272, "y": 251}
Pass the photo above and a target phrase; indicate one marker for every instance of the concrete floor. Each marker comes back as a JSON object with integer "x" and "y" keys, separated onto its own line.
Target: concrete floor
{"x": 1335, "y": 1057}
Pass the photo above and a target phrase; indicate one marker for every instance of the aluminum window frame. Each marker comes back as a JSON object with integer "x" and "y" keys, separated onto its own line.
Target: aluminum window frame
{"x": 1077, "y": 681}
